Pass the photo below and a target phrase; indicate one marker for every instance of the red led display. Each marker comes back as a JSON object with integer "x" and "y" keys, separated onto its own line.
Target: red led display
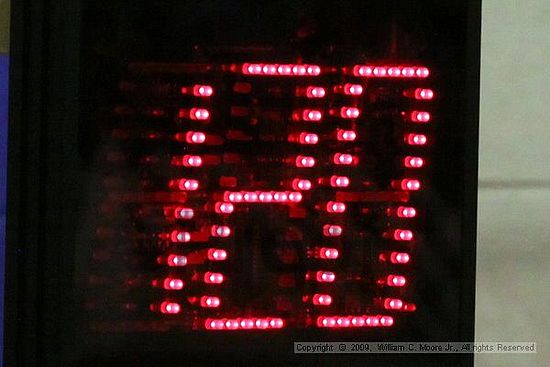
{"x": 274, "y": 195}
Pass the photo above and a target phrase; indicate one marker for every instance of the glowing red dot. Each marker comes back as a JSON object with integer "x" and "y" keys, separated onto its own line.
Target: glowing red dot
{"x": 396, "y": 280}
{"x": 284, "y": 69}
{"x": 183, "y": 213}
{"x": 328, "y": 253}
{"x": 358, "y": 321}
{"x": 247, "y": 323}
{"x": 399, "y": 257}
{"x": 332, "y": 230}
{"x": 199, "y": 114}
{"x": 339, "y": 181}
{"x": 269, "y": 69}
{"x": 250, "y": 197}
{"x": 276, "y": 323}
{"x": 186, "y": 184}
{"x": 294, "y": 197}
{"x": 224, "y": 208}
{"x": 336, "y": 207}
{"x": 416, "y": 139}
{"x": 195, "y": 137}
{"x": 312, "y": 115}
{"x": 202, "y": 90}
{"x": 170, "y": 307}
{"x": 325, "y": 276}
{"x": 343, "y": 159}
{"x": 301, "y": 184}
{"x": 386, "y": 321}
{"x": 406, "y": 212}
{"x": 313, "y": 70}
{"x": 403, "y": 235}
{"x": 173, "y": 284}
{"x": 321, "y": 299}
{"x": 232, "y": 324}
{"x": 420, "y": 116}
{"x": 220, "y": 231}
{"x": 394, "y": 71}
{"x": 305, "y": 161}
{"x": 210, "y": 301}
{"x": 176, "y": 260}
{"x": 265, "y": 197}
{"x": 315, "y": 92}
{"x": 349, "y": 112}
{"x": 380, "y": 71}
{"x": 214, "y": 324}
{"x": 262, "y": 323}
{"x": 353, "y": 89}
{"x": 413, "y": 162}
{"x": 299, "y": 70}
{"x": 213, "y": 278}
{"x": 422, "y": 72}
{"x": 217, "y": 254}
{"x": 410, "y": 184}
{"x": 346, "y": 135}
{"x": 191, "y": 161}
{"x": 423, "y": 94}
{"x": 408, "y": 72}
{"x": 308, "y": 138}
{"x": 180, "y": 236}
{"x": 393, "y": 304}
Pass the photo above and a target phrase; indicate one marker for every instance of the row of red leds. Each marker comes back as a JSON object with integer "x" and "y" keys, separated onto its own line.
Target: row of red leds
{"x": 333, "y": 172}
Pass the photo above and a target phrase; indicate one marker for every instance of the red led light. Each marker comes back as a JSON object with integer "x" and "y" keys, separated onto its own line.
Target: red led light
{"x": 180, "y": 236}
{"x": 195, "y": 137}
{"x": 332, "y": 230}
{"x": 422, "y": 72}
{"x": 190, "y": 161}
{"x": 176, "y": 260}
{"x": 213, "y": 278}
{"x": 408, "y": 184}
{"x": 305, "y": 161}
{"x": 312, "y": 115}
{"x": 396, "y": 280}
{"x": 423, "y": 94}
{"x": 413, "y": 162}
{"x": 346, "y": 135}
{"x": 339, "y": 181}
{"x": 275, "y": 69}
{"x": 199, "y": 114}
{"x": 391, "y": 71}
{"x": 315, "y": 92}
{"x": 354, "y": 321}
{"x": 321, "y": 299}
{"x": 185, "y": 184}
{"x": 399, "y": 258}
{"x": 265, "y": 197}
{"x": 244, "y": 323}
{"x": 349, "y": 112}
{"x": 325, "y": 276}
{"x": 224, "y": 208}
{"x": 183, "y": 213}
{"x": 353, "y": 89}
{"x": 202, "y": 90}
{"x": 380, "y": 71}
{"x": 386, "y": 321}
{"x": 403, "y": 235}
{"x": 294, "y": 197}
{"x": 170, "y": 307}
{"x": 220, "y": 231}
{"x": 393, "y": 304}
{"x": 420, "y": 116}
{"x": 416, "y": 139}
{"x": 336, "y": 207}
{"x": 301, "y": 184}
{"x": 406, "y": 212}
{"x": 342, "y": 159}
{"x": 250, "y": 197}
{"x": 359, "y": 70}
{"x": 216, "y": 254}
{"x": 308, "y": 138}
{"x": 210, "y": 301}
{"x": 328, "y": 253}
{"x": 172, "y": 284}
{"x": 394, "y": 72}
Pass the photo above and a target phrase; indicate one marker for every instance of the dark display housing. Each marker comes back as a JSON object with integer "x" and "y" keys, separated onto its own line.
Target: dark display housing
{"x": 199, "y": 183}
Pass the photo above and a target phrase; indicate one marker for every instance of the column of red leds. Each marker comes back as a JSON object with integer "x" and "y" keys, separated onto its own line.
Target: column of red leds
{"x": 277, "y": 195}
